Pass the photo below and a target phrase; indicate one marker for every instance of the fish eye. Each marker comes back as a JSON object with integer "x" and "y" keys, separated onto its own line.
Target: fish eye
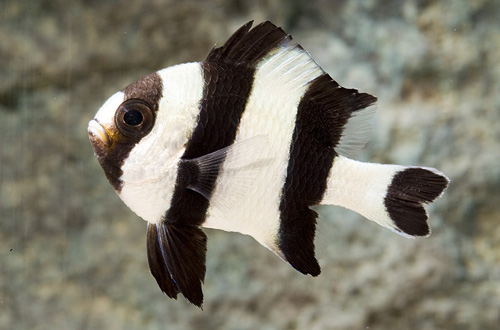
{"x": 134, "y": 118}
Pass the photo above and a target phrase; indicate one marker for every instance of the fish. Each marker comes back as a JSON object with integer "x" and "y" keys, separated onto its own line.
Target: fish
{"x": 247, "y": 141}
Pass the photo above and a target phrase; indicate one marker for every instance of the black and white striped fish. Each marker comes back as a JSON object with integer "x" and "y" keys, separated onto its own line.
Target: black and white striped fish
{"x": 247, "y": 141}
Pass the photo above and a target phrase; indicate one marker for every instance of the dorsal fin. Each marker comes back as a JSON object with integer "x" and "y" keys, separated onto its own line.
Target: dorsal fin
{"x": 345, "y": 113}
{"x": 341, "y": 115}
{"x": 249, "y": 46}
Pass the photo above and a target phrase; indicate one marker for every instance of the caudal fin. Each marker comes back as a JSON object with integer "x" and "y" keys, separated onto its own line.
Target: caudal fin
{"x": 409, "y": 190}
{"x": 391, "y": 195}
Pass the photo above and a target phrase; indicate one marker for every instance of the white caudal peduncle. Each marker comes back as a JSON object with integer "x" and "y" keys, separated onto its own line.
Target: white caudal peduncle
{"x": 361, "y": 187}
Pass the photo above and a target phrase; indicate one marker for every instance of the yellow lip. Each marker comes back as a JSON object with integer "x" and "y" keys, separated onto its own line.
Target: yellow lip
{"x": 97, "y": 130}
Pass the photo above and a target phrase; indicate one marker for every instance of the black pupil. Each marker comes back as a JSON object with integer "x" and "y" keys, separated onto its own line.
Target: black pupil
{"x": 133, "y": 118}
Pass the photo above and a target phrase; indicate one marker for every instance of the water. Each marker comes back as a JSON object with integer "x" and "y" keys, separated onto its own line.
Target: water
{"x": 72, "y": 256}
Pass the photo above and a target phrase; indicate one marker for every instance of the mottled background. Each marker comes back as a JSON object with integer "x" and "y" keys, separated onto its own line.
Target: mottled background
{"x": 72, "y": 256}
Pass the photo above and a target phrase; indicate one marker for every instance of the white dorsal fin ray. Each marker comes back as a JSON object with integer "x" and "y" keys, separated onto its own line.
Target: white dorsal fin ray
{"x": 289, "y": 65}
{"x": 292, "y": 67}
{"x": 357, "y": 132}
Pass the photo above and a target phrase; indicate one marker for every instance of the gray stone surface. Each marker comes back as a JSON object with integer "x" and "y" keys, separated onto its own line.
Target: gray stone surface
{"x": 72, "y": 256}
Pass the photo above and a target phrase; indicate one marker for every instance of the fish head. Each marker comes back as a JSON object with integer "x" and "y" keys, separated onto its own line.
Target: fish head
{"x": 137, "y": 146}
{"x": 118, "y": 127}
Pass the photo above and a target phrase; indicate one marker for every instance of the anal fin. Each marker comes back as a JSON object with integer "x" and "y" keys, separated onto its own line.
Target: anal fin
{"x": 296, "y": 241}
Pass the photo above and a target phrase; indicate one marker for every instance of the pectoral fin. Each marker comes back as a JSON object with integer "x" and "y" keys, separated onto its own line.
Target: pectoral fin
{"x": 245, "y": 159}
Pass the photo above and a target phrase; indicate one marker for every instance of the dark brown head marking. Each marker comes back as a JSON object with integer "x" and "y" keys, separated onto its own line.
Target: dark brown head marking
{"x": 148, "y": 89}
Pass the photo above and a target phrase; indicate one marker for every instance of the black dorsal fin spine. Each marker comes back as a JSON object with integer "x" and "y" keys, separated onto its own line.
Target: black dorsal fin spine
{"x": 248, "y": 46}
{"x": 217, "y": 54}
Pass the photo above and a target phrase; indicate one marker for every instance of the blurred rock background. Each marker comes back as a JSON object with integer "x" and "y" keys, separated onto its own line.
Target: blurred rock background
{"x": 72, "y": 256}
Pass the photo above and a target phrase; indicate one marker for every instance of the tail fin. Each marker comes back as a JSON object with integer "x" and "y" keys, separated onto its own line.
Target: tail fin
{"x": 390, "y": 195}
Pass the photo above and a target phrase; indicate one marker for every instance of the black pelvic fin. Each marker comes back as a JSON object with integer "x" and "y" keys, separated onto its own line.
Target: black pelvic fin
{"x": 176, "y": 256}
{"x": 409, "y": 189}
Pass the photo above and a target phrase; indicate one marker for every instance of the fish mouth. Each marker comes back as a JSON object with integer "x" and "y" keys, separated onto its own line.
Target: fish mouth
{"x": 98, "y": 131}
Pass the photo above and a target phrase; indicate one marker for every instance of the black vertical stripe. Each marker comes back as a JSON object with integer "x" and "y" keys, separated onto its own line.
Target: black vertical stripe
{"x": 322, "y": 114}
{"x": 228, "y": 73}
{"x": 227, "y": 88}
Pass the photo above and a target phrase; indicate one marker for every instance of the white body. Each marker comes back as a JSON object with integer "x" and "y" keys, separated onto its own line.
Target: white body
{"x": 271, "y": 110}
{"x": 280, "y": 82}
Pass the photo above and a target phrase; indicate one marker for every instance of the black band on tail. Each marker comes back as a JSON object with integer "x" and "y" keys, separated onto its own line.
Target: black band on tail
{"x": 407, "y": 192}
{"x": 176, "y": 256}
